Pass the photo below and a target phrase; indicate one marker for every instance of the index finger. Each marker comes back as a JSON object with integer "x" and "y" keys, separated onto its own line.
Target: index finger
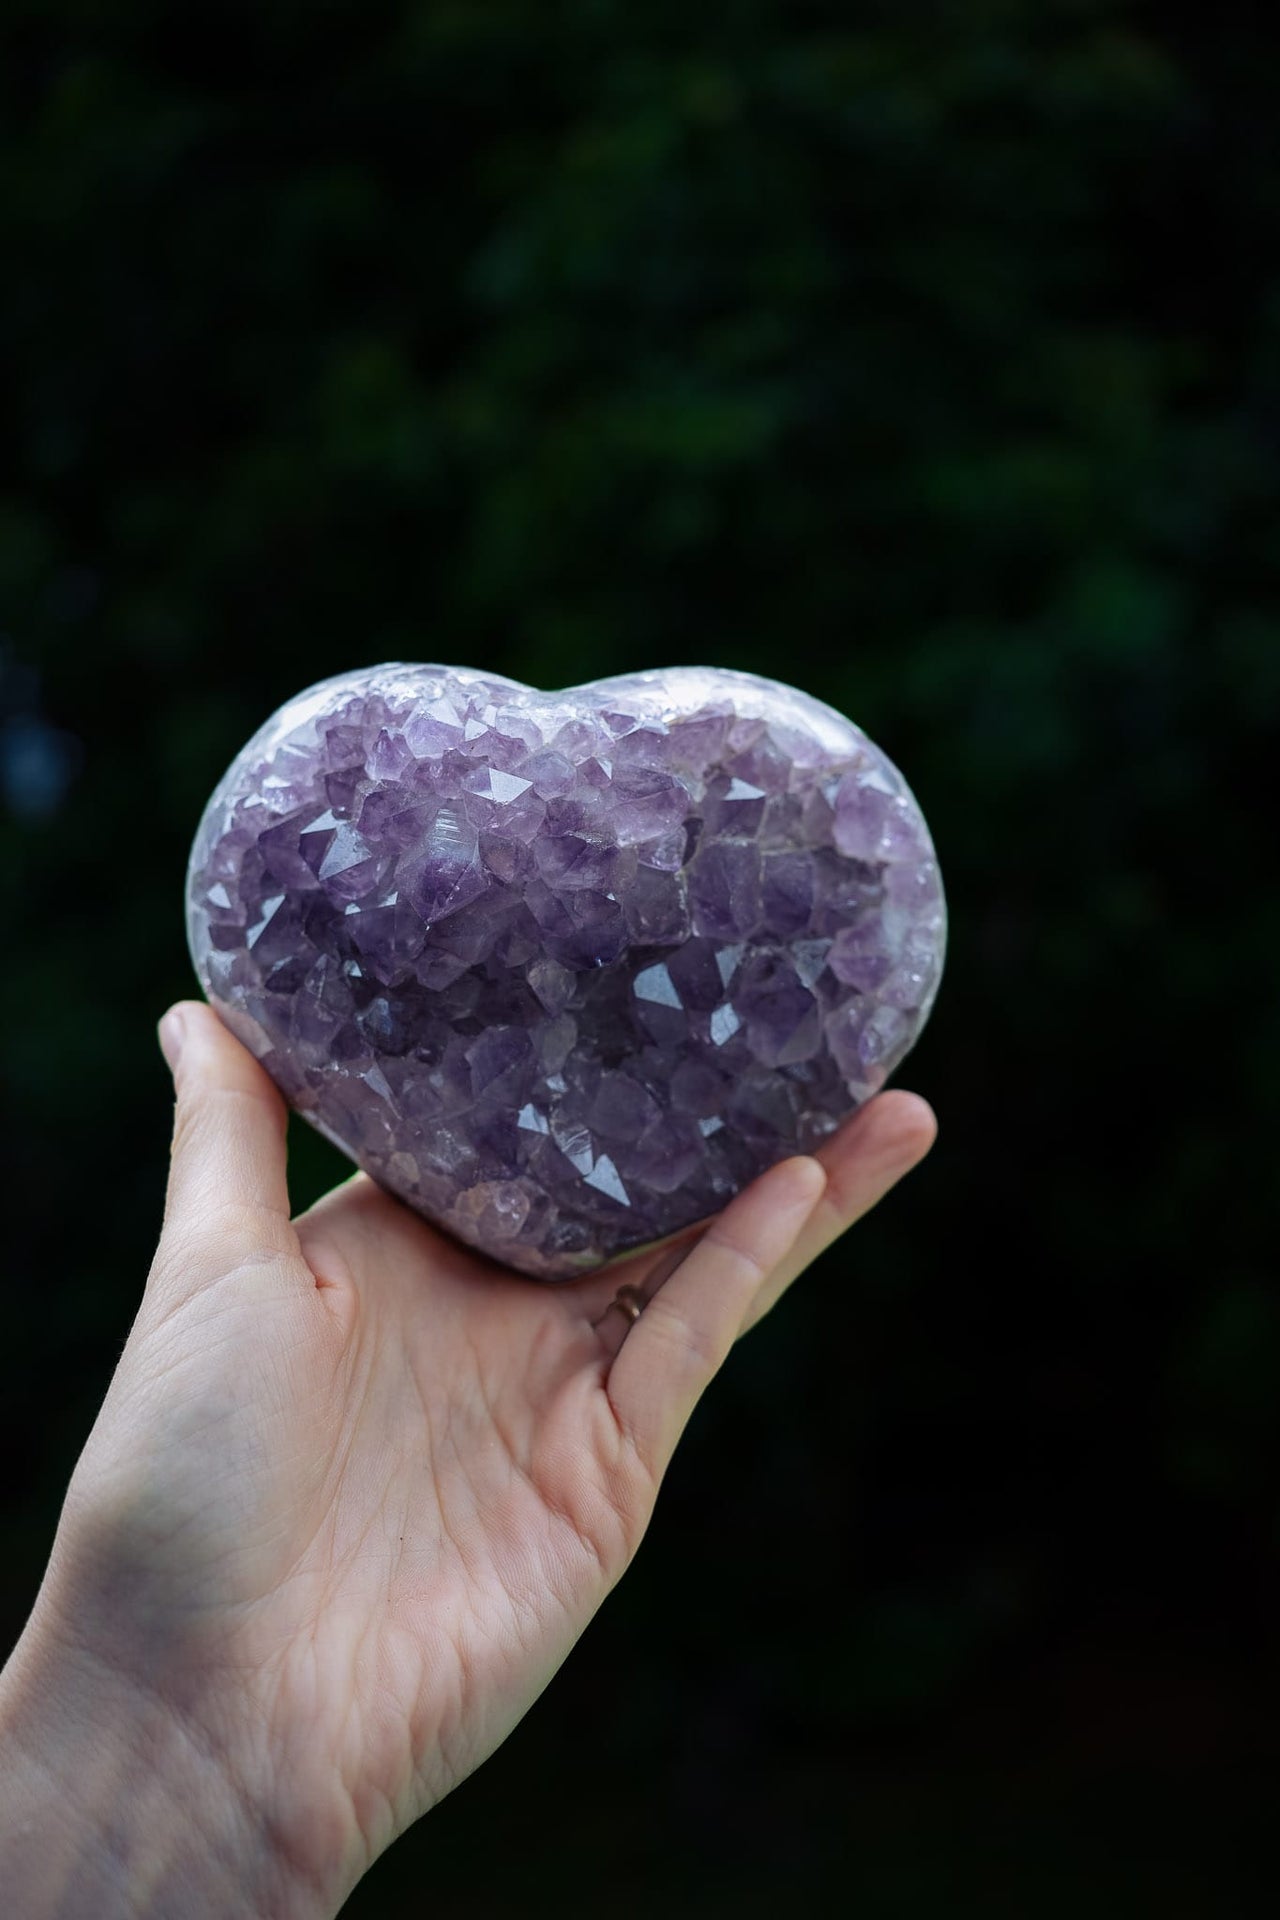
{"x": 687, "y": 1329}
{"x": 868, "y": 1156}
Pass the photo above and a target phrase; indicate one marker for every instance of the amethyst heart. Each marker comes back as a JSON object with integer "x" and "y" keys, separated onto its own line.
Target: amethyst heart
{"x": 564, "y": 971}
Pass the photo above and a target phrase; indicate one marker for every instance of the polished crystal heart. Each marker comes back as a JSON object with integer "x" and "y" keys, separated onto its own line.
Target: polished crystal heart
{"x": 564, "y": 971}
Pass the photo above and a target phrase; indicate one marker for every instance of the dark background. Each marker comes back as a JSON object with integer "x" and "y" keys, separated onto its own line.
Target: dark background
{"x": 927, "y": 355}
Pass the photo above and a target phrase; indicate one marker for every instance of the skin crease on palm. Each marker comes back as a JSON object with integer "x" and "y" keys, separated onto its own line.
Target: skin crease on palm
{"x": 355, "y": 1491}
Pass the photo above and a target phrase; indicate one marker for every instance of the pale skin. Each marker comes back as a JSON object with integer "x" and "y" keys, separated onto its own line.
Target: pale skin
{"x": 352, "y": 1496}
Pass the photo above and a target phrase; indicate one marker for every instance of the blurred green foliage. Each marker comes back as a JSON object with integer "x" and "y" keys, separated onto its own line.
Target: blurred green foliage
{"x": 927, "y": 356}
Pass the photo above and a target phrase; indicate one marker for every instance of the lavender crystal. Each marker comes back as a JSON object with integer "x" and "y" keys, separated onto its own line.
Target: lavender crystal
{"x": 565, "y": 971}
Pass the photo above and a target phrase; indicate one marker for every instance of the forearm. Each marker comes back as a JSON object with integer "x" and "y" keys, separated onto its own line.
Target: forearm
{"x": 112, "y": 1809}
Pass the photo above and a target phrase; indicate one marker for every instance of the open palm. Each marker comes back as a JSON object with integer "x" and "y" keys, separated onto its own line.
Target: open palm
{"x": 355, "y": 1490}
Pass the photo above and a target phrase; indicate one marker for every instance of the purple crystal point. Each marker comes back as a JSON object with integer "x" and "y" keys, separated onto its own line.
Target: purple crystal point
{"x": 564, "y": 971}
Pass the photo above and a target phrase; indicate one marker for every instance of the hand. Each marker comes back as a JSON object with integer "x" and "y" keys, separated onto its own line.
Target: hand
{"x": 353, "y": 1494}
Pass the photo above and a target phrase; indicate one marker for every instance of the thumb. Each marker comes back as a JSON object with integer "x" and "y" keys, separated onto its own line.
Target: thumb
{"x": 228, "y": 1196}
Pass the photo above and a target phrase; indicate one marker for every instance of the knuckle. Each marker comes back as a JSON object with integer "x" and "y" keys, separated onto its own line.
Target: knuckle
{"x": 685, "y": 1339}
{"x": 742, "y": 1259}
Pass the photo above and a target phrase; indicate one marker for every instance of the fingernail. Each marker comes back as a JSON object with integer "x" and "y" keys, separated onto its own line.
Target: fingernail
{"x": 172, "y": 1035}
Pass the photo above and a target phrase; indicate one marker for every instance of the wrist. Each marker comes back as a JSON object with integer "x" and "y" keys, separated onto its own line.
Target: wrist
{"x": 114, "y": 1807}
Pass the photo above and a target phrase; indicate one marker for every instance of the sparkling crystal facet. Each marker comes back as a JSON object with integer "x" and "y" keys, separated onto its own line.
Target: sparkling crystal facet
{"x": 564, "y": 971}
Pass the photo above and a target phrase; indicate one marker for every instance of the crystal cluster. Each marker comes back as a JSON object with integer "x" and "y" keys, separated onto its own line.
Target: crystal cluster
{"x": 565, "y": 971}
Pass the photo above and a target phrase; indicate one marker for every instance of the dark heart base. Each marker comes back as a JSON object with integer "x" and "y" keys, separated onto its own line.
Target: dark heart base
{"x": 565, "y": 971}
